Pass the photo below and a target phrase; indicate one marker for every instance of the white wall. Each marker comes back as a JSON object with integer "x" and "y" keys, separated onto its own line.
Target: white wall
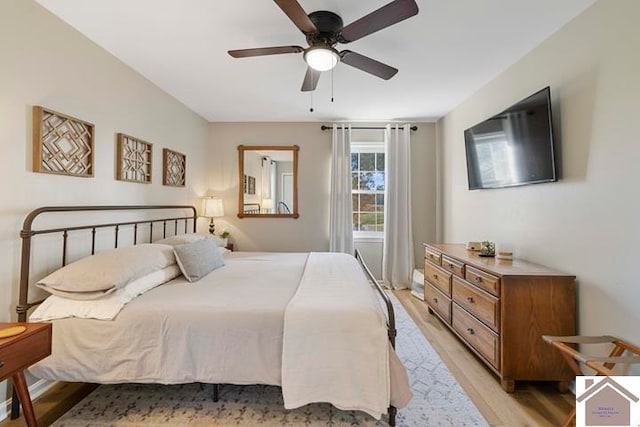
{"x": 45, "y": 62}
{"x": 311, "y": 230}
{"x": 587, "y": 223}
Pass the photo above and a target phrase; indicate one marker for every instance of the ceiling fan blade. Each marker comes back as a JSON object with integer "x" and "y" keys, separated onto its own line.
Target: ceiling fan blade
{"x": 261, "y": 51}
{"x": 297, "y": 15}
{"x": 392, "y": 13}
{"x": 368, "y": 65}
{"x": 310, "y": 80}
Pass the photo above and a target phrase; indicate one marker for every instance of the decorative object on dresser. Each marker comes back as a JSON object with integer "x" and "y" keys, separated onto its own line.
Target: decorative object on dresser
{"x": 174, "y": 168}
{"x": 487, "y": 248}
{"x": 134, "y": 159}
{"x": 473, "y": 246}
{"x": 213, "y": 208}
{"x": 62, "y": 144}
{"x": 501, "y": 309}
{"x": 17, "y": 353}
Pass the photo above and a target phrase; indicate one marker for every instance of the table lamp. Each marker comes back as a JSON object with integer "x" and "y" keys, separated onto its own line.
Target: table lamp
{"x": 267, "y": 205}
{"x": 213, "y": 209}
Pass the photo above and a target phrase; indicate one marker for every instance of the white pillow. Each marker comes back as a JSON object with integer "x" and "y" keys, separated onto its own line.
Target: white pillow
{"x": 183, "y": 239}
{"x": 107, "y": 307}
{"x": 103, "y": 273}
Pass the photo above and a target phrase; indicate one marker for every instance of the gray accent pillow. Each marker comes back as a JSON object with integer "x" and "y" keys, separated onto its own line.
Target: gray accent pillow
{"x": 198, "y": 259}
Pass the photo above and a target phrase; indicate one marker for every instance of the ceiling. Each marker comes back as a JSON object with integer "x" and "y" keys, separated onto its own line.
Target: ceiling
{"x": 444, "y": 54}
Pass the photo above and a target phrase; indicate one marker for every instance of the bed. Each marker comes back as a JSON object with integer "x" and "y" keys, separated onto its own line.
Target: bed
{"x": 264, "y": 318}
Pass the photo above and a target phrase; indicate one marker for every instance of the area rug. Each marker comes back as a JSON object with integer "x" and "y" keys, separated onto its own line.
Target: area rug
{"x": 438, "y": 400}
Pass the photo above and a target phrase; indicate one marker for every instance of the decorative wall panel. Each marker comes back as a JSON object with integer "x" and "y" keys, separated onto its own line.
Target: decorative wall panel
{"x": 174, "y": 168}
{"x": 62, "y": 144}
{"x": 134, "y": 159}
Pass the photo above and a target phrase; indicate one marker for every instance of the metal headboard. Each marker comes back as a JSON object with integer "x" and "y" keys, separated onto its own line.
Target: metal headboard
{"x": 28, "y": 233}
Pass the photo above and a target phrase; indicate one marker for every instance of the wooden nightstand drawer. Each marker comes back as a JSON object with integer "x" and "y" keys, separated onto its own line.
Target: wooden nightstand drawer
{"x": 479, "y": 303}
{"x": 438, "y": 277}
{"x": 19, "y": 352}
{"x": 483, "y": 280}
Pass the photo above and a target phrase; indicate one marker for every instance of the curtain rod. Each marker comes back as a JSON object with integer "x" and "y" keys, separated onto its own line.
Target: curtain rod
{"x": 325, "y": 127}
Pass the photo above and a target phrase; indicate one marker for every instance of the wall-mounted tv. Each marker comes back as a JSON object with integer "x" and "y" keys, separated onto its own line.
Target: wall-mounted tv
{"x": 514, "y": 147}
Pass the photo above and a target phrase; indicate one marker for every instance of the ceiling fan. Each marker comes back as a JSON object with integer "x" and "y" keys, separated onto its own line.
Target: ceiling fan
{"x": 324, "y": 30}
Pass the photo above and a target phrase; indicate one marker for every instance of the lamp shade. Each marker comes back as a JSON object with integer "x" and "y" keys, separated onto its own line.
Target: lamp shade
{"x": 213, "y": 208}
{"x": 267, "y": 204}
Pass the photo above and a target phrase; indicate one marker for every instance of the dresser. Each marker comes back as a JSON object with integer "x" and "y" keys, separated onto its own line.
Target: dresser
{"x": 501, "y": 309}
{"x": 18, "y": 353}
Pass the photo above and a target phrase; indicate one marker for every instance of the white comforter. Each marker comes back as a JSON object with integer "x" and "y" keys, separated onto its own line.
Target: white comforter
{"x": 335, "y": 339}
{"x": 229, "y": 326}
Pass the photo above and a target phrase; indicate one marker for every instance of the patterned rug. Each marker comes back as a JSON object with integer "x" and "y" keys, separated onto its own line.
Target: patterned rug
{"x": 438, "y": 400}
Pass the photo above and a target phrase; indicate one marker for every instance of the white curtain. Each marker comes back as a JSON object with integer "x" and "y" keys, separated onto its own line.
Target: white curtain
{"x": 397, "y": 255}
{"x": 266, "y": 178}
{"x": 340, "y": 215}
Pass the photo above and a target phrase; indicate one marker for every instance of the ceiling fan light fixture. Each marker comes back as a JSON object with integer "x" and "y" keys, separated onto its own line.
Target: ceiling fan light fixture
{"x": 321, "y": 58}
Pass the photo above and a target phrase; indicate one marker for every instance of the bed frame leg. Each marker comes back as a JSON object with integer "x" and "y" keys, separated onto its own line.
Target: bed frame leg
{"x": 392, "y": 415}
{"x": 216, "y": 389}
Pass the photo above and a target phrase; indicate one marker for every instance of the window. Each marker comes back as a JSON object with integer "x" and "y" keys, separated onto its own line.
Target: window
{"x": 367, "y": 188}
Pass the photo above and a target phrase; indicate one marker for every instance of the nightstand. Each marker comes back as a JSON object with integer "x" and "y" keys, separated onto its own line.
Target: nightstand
{"x": 18, "y": 353}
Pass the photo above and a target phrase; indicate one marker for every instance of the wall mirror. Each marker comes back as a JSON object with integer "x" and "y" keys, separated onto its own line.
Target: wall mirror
{"x": 268, "y": 181}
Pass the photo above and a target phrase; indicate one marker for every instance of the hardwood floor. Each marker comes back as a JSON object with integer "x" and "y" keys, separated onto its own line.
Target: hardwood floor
{"x": 532, "y": 404}
{"x": 55, "y": 402}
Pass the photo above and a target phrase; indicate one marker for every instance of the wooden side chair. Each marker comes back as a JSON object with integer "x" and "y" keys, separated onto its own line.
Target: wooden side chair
{"x": 622, "y": 353}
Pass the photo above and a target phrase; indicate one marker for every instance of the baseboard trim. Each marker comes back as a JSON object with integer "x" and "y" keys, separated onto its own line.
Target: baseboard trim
{"x": 36, "y": 390}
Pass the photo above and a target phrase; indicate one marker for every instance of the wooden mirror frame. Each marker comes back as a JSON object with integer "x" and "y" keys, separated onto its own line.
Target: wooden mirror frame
{"x": 241, "y": 149}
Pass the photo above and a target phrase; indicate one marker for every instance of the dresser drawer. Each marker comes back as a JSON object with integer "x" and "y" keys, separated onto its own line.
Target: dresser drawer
{"x": 479, "y": 303}
{"x": 481, "y": 338}
{"x": 453, "y": 265}
{"x": 483, "y": 280}
{"x": 438, "y": 301}
{"x": 24, "y": 351}
{"x": 432, "y": 255}
{"x": 438, "y": 277}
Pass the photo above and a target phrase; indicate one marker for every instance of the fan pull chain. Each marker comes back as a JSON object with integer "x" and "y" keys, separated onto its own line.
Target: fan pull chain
{"x": 332, "y": 85}
{"x": 311, "y": 108}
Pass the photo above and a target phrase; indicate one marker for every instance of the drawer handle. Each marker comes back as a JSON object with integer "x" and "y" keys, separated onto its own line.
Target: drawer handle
{"x": 1, "y": 364}
{"x": 470, "y": 299}
{"x": 435, "y": 276}
{"x": 470, "y": 331}
{"x": 450, "y": 265}
{"x": 435, "y": 300}
{"x": 478, "y": 279}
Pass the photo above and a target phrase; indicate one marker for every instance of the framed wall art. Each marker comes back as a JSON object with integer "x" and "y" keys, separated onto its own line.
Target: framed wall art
{"x": 133, "y": 159}
{"x": 174, "y": 168}
{"x": 62, "y": 144}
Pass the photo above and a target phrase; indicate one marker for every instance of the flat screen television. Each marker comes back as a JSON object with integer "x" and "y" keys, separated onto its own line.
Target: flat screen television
{"x": 514, "y": 147}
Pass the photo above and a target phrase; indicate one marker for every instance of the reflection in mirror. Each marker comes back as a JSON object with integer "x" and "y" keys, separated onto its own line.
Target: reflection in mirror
{"x": 268, "y": 181}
